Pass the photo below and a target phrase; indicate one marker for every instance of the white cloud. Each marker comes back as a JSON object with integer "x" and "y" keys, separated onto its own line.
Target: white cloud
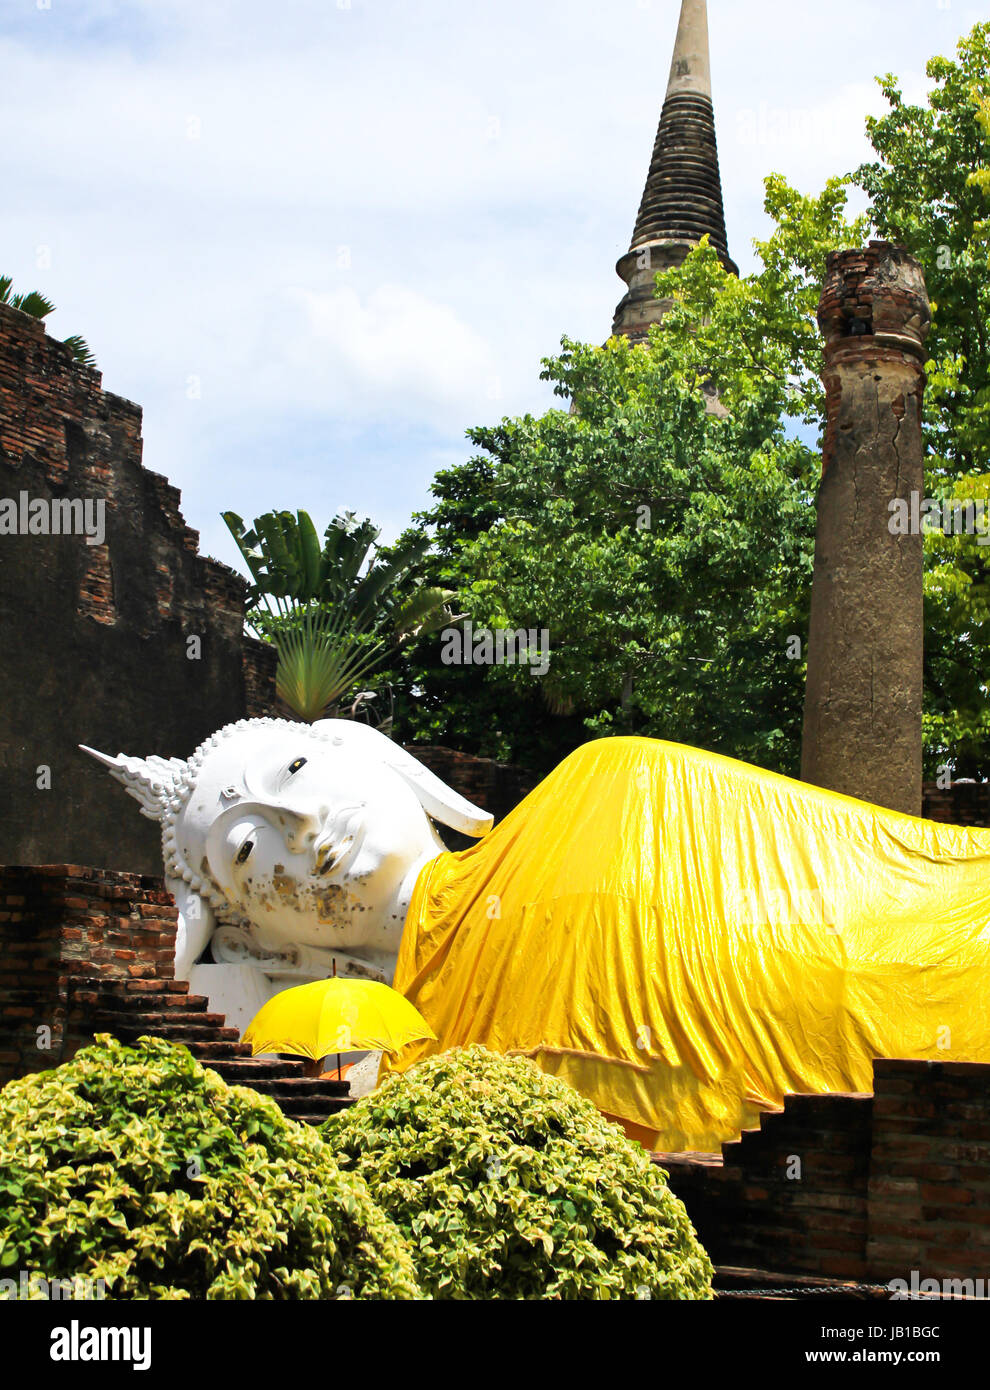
{"x": 482, "y": 163}
{"x": 364, "y": 354}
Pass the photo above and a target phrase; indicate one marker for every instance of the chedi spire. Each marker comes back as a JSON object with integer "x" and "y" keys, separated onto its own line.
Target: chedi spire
{"x": 682, "y": 201}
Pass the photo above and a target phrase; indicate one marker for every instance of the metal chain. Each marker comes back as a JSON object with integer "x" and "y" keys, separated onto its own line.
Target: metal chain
{"x": 838, "y": 1289}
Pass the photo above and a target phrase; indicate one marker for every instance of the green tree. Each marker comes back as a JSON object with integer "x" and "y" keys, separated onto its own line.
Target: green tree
{"x": 509, "y": 1184}
{"x": 140, "y": 1167}
{"x": 467, "y": 706}
{"x": 665, "y": 549}
{"x": 930, "y": 191}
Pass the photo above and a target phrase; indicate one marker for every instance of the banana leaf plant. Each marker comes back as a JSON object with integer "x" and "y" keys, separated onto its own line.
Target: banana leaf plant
{"x": 333, "y": 611}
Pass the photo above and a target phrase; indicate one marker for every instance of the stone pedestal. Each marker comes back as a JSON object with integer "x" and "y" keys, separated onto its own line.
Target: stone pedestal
{"x": 862, "y": 719}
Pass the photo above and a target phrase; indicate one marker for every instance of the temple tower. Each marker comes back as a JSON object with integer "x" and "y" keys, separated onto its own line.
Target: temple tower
{"x": 682, "y": 201}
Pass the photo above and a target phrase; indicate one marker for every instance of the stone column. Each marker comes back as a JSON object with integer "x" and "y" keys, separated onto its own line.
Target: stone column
{"x": 862, "y": 712}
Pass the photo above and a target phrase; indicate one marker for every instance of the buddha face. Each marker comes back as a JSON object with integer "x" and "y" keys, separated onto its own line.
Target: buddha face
{"x": 311, "y": 844}
{"x": 313, "y": 834}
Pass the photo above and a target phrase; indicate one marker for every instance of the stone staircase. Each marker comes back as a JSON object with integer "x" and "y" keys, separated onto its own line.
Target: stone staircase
{"x": 164, "y": 1008}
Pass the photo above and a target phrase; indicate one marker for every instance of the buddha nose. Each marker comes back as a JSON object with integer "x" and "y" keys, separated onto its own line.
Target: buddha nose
{"x": 303, "y": 828}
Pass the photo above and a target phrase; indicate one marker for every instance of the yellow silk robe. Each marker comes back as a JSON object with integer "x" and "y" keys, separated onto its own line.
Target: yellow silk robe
{"x": 686, "y": 939}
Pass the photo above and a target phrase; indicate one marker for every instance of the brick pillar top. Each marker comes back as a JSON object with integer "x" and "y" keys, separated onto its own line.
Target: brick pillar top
{"x": 874, "y": 307}
{"x": 877, "y": 294}
{"x": 682, "y": 200}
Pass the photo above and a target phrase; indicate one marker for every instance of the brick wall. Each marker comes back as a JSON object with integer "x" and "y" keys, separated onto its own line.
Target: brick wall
{"x": 62, "y": 923}
{"x": 964, "y": 803}
{"x": 496, "y": 787}
{"x": 260, "y": 661}
{"x": 866, "y": 1188}
{"x": 95, "y": 637}
{"x": 84, "y": 951}
{"x": 929, "y": 1189}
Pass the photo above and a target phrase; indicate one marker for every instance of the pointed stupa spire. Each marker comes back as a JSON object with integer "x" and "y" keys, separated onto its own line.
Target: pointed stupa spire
{"x": 690, "y": 68}
{"x": 682, "y": 201}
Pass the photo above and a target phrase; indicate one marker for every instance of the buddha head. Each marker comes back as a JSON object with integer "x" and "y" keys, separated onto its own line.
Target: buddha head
{"x": 311, "y": 834}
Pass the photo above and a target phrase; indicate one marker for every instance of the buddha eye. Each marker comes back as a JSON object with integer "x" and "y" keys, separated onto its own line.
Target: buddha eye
{"x": 244, "y": 853}
{"x": 295, "y": 766}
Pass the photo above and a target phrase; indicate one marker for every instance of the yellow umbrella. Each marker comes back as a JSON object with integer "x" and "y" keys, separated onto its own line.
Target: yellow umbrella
{"x": 336, "y": 1016}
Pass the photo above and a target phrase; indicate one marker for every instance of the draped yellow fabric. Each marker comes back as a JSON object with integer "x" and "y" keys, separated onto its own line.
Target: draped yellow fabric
{"x": 686, "y": 939}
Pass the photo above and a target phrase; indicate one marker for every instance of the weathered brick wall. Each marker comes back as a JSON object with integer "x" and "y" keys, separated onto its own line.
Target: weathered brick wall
{"x": 95, "y": 637}
{"x": 929, "y": 1192}
{"x": 496, "y": 787}
{"x": 866, "y": 1188}
{"x": 62, "y": 923}
{"x": 964, "y": 803}
{"x": 260, "y": 660}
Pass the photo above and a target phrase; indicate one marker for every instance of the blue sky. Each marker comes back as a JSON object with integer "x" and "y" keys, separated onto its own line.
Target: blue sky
{"x": 317, "y": 241}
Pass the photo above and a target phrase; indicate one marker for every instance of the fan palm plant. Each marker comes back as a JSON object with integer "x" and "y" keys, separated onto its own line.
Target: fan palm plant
{"x": 39, "y": 307}
{"x": 333, "y": 611}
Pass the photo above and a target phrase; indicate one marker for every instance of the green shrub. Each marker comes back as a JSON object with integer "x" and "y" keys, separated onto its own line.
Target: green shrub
{"x": 509, "y": 1184}
{"x": 138, "y": 1166}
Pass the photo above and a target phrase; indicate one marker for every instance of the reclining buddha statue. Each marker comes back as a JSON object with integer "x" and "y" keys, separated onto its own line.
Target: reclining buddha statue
{"x": 683, "y": 937}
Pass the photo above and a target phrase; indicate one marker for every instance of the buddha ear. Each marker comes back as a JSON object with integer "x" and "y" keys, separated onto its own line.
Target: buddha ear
{"x": 438, "y": 800}
{"x": 149, "y": 780}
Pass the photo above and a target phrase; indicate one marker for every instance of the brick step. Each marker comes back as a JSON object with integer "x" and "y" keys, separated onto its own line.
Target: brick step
{"x": 130, "y": 987}
{"x": 310, "y": 1086}
{"x": 166, "y": 1018}
{"x": 135, "y": 990}
{"x": 320, "y": 1109}
{"x": 158, "y": 1018}
{"x": 150, "y": 1004}
{"x": 139, "y": 1003}
{"x": 307, "y": 1104}
{"x": 178, "y": 1032}
{"x": 247, "y": 1071}
{"x": 205, "y": 1049}
{"x": 146, "y": 1003}
{"x": 306, "y": 1108}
